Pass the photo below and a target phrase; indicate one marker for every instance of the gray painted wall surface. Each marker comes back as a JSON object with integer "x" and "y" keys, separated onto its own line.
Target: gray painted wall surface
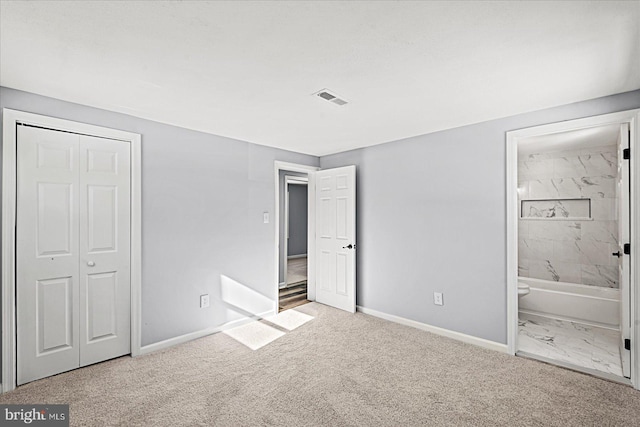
{"x": 431, "y": 217}
{"x": 281, "y": 190}
{"x": 298, "y": 207}
{"x": 203, "y": 199}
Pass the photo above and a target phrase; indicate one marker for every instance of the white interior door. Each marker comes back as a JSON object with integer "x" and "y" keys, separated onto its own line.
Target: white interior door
{"x": 73, "y": 240}
{"x": 336, "y": 237}
{"x": 47, "y": 248}
{"x": 105, "y": 287}
{"x": 623, "y": 260}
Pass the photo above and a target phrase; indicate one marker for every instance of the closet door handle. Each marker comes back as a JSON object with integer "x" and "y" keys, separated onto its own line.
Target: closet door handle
{"x": 91, "y": 264}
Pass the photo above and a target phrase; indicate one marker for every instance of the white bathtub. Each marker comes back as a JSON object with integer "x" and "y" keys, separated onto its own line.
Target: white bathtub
{"x": 592, "y": 305}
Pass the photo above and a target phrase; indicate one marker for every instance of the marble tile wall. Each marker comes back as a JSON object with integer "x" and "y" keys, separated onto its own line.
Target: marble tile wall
{"x": 558, "y": 247}
{"x": 556, "y": 208}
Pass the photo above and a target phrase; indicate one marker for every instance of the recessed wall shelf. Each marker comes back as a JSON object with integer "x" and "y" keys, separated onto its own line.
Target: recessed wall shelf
{"x": 551, "y": 209}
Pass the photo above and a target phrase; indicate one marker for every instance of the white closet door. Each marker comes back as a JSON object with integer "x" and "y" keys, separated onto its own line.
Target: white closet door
{"x": 336, "y": 237}
{"x": 105, "y": 288}
{"x": 47, "y": 253}
{"x": 73, "y": 251}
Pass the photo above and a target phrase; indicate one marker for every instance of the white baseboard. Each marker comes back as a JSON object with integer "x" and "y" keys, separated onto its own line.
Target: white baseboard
{"x": 296, "y": 256}
{"x": 282, "y": 284}
{"x": 201, "y": 333}
{"x": 469, "y": 339}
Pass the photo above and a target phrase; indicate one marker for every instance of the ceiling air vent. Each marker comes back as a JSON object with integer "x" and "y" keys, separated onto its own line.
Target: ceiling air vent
{"x": 327, "y": 95}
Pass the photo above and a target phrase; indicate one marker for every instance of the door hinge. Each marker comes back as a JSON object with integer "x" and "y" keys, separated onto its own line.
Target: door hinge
{"x": 626, "y": 154}
{"x": 627, "y": 344}
{"x": 627, "y": 249}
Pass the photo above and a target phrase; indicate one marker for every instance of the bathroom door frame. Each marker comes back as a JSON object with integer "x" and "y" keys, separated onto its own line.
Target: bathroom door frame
{"x": 632, "y": 117}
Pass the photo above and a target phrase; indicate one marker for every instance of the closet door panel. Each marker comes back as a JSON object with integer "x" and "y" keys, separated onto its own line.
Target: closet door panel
{"x": 47, "y": 253}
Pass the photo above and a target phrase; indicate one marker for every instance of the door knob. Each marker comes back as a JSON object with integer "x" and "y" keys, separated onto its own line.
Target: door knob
{"x": 91, "y": 264}
{"x": 349, "y": 246}
{"x": 618, "y": 254}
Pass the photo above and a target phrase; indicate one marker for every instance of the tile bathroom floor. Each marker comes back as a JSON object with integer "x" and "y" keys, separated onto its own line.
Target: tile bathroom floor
{"x": 585, "y": 346}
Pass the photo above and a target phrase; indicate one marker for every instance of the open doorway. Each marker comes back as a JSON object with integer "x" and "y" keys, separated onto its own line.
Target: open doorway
{"x": 331, "y": 234}
{"x": 294, "y": 280}
{"x": 294, "y": 223}
{"x": 572, "y": 291}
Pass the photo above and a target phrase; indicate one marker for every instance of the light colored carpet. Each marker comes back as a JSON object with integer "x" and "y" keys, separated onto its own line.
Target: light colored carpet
{"x": 254, "y": 335}
{"x": 289, "y": 320}
{"x": 338, "y": 369}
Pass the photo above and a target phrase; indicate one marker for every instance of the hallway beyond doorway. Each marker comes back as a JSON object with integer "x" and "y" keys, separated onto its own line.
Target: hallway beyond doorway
{"x": 296, "y": 271}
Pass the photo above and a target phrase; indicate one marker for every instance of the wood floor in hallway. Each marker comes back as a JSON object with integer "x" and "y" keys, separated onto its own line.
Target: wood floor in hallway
{"x": 293, "y": 296}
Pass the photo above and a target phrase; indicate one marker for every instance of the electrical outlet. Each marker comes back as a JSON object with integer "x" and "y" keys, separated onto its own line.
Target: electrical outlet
{"x": 437, "y": 298}
{"x": 204, "y": 301}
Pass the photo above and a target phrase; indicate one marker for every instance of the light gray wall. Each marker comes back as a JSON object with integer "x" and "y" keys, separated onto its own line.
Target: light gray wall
{"x": 202, "y": 204}
{"x": 281, "y": 188}
{"x": 297, "y": 220}
{"x": 431, "y": 217}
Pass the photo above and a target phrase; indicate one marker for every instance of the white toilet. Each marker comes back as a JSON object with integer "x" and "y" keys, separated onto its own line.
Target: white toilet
{"x": 523, "y": 289}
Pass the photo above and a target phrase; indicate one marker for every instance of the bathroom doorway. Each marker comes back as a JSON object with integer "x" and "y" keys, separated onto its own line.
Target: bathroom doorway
{"x": 571, "y": 276}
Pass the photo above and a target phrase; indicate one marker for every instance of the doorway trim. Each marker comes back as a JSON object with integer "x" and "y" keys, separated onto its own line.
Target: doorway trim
{"x": 10, "y": 121}
{"x": 632, "y": 117}
{"x": 290, "y": 180}
{"x": 311, "y": 226}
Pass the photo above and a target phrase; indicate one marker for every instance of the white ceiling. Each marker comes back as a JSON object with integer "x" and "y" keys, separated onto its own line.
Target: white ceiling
{"x": 599, "y": 136}
{"x": 247, "y": 70}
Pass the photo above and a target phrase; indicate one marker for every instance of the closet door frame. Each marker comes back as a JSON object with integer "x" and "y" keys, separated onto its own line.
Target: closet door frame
{"x": 11, "y": 119}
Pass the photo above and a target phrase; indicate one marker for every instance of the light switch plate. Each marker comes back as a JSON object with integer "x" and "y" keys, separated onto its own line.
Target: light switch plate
{"x": 265, "y": 217}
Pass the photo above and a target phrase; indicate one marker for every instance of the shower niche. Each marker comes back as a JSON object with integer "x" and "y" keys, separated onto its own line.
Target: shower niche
{"x": 575, "y": 209}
